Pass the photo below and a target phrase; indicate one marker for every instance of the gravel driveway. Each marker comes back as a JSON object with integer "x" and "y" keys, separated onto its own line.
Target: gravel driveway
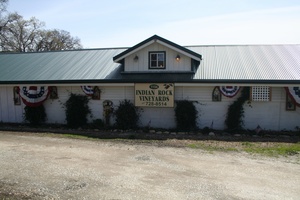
{"x": 44, "y": 167}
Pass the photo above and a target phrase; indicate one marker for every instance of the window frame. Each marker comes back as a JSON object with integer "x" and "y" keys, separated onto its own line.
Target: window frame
{"x": 216, "y": 94}
{"x": 289, "y": 103}
{"x": 17, "y": 97}
{"x": 96, "y": 93}
{"x": 53, "y": 92}
{"x": 157, "y": 60}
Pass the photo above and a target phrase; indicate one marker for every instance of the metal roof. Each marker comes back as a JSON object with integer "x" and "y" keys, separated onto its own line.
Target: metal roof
{"x": 249, "y": 62}
{"x": 235, "y": 63}
{"x": 84, "y": 65}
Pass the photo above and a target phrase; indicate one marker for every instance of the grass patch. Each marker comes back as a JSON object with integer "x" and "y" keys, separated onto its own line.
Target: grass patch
{"x": 275, "y": 149}
{"x": 211, "y": 146}
{"x": 262, "y": 148}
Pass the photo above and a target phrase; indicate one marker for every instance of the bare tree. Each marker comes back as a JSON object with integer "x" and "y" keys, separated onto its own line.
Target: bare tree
{"x": 52, "y": 40}
{"x": 3, "y": 4}
{"x": 20, "y": 35}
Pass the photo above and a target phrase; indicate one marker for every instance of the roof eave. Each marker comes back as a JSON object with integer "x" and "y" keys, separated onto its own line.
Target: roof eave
{"x": 194, "y": 81}
{"x": 160, "y": 40}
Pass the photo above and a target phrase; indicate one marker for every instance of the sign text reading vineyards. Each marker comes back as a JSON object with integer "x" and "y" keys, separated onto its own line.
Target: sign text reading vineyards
{"x": 154, "y": 94}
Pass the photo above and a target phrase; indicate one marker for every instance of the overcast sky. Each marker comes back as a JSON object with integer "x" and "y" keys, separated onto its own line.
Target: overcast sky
{"x": 124, "y": 23}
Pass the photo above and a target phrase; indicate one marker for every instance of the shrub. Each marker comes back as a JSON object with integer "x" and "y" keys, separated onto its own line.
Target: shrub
{"x": 127, "y": 115}
{"x": 186, "y": 115}
{"x": 97, "y": 124}
{"x": 35, "y": 115}
{"x": 234, "y": 119}
{"x": 77, "y": 110}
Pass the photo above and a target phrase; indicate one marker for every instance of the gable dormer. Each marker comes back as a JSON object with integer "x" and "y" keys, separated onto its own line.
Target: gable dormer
{"x": 157, "y": 55}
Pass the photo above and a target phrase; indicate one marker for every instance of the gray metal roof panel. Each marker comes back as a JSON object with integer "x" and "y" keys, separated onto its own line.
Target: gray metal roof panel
{"x": 63, "y": 65}
{"x": 225, "y": 62}
{"x": 249, "y": 62}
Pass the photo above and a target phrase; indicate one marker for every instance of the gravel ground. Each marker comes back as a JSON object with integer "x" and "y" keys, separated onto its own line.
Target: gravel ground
{"x": 43, "y": 167}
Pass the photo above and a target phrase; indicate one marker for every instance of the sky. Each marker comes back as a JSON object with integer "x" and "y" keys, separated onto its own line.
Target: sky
{"x": 124, "y": 23}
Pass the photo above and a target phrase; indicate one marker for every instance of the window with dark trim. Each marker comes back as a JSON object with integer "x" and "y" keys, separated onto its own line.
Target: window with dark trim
{"x": 17, "y": 98}
{"x": 53, "y": 92}
{"x": 157, "y": 60}
{"x": 96, "y": 93}
{"x": 216, "y": 94}
{"x": 290, "y": 104}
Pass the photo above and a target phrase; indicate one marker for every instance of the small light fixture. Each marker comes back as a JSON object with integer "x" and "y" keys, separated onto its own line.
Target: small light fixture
{"x": 177, "y": 57}
{"x": 136, "y": 58}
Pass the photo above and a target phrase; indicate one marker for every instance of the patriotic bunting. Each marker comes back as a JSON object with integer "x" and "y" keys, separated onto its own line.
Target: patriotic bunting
{"x": 88, "y": 90}
{"x": 229, "y": 91}
{"x": 33, "y": 96}
{"x": 294, "y": 93}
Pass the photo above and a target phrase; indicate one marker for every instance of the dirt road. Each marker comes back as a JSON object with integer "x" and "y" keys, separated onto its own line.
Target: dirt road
{"x": 42, "y": 167}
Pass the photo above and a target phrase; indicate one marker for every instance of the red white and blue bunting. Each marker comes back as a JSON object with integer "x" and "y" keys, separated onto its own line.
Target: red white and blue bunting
{"x": 294, "y": 93}
{"x": 229, "y": 91}
{"x": 88, "y": 90}
{"x": 34, "y": 96}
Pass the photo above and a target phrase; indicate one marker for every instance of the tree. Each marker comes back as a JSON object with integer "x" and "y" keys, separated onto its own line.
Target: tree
{"x": 52, "y": 40}
{"x": 20, "y": 35}
{"x": 3, "y": 4}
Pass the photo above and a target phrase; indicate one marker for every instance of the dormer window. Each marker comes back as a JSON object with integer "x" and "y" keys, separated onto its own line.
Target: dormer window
{"x": 157, "y": 60}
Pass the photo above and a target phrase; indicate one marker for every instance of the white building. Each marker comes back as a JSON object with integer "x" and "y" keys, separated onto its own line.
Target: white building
{"x": 191, "y": 73}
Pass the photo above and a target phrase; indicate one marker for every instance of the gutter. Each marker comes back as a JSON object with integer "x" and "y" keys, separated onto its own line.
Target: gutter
{"x": 129, "y": 82}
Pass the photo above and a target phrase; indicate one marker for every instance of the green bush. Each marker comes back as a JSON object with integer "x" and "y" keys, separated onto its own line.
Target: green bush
{"x": 35, "y": 115}
{"x": 127, "y": 115}
{"x": 77, "y": 110}
{"x": 186, "y": 115}
{"x": 234, "y": 119}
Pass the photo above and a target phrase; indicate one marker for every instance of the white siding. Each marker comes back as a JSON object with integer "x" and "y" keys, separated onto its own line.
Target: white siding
{"x": 272, "y": 115}
{"x": 143, "y": 62}
{"x": 209, "y": 112}
{"x": 269, "y": 115}
{"x": 8, "y": 111}
{"x": 56, "y": 111}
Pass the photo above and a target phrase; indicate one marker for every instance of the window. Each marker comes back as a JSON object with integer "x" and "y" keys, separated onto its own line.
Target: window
{"x": 216, "y": 95}
{"x": 290, "y": 104}
{"x": 260, "y": 93}
{"x": 157, "y": 60}
{"x": 17, "y": 98}
{"x": 53, "y": 92}
{"x": 96, "y": 93}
